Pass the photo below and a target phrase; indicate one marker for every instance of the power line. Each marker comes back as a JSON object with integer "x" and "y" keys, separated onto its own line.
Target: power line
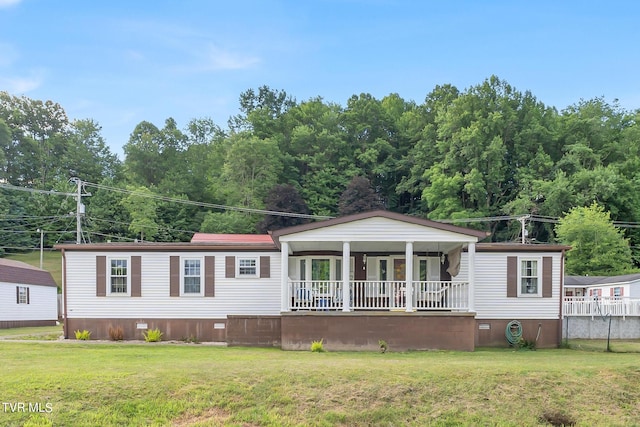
{"x": 35, "y": 190}
{"x": 207, "y": 205}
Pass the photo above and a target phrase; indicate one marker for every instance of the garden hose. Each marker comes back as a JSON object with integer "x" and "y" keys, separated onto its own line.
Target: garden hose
{"x": 513, "y": 332}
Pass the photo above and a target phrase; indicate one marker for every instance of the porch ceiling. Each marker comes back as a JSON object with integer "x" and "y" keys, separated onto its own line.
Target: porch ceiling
{"x": 382, "y": 247}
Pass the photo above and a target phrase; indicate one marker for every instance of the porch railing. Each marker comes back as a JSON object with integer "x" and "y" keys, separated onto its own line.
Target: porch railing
{"x": 601, "y": 306}
{"x": 321, "y": 295}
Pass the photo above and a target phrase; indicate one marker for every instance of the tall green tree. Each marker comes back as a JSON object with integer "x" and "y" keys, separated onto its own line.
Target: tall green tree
{"x": 597, "y": 246}
{"x": 142, "y": 210}
{"x": 251, "y": 168}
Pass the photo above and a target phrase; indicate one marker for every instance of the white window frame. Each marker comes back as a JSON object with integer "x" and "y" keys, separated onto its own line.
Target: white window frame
{"x": 127, "y": 276}
{"x": 538, "y": 276}
{"x": 617, "y": 292}
{"x": 183, "y": 276}
{"x": 336, "y": 272}
{"x": 239, "y": 267}
{"x": 23, "y": 292}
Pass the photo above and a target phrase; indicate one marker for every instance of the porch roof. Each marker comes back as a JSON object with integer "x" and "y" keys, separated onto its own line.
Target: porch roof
{"x": 377, "y": 231}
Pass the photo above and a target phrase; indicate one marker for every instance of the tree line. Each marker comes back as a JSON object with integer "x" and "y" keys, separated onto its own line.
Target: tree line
{"x": 486, "y": 151}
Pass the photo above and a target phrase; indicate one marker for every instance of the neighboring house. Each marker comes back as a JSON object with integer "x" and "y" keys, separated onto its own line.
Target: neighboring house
{"x": 627, "y": 285}
{"x": 28, "y": 295}
{"x": 351, "y": 281}
{"x": 603, "y": 295}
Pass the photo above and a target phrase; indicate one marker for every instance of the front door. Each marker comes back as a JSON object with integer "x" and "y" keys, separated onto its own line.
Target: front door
{"x": 398, "y": 285}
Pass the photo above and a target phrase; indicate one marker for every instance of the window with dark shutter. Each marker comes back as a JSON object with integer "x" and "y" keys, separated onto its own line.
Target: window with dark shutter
{"x": 265, "y": 267}
{"x": 209, "y": 276}
{"x": 512, "y": 277}
{"x": 136, "y": 276}
{"x": 101, "y": 276}
{"x": 230, "y": 267}
{"x": 547, "y": 277}
{"x": 174, "y": 276}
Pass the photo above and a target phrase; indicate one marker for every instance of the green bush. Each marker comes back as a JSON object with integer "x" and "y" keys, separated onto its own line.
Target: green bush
{"x": 383, "y": 346}
{"x": 317, "y": 346}
{"x": 83, "y": 335}
{"x": 153, "y": 335}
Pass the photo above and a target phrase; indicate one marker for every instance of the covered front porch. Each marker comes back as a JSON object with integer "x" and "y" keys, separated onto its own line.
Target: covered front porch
{"x": 328, "y": 295}
{"x": 377, "y": 261}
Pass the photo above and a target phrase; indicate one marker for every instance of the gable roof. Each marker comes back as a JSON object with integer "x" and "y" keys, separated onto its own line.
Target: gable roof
{"x": 381, "y": 214}
{"x": 24, "y": 274}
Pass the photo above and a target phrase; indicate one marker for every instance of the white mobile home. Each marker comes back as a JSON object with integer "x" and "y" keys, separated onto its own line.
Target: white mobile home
{"x": 351, "y": 281}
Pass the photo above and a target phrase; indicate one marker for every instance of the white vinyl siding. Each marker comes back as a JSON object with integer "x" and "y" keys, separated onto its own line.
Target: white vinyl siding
{"x": 491, "y": 301}
{"x": 43, "y": 303}
{"x": 377, "y": 230}
{"x": 251, "y": 296}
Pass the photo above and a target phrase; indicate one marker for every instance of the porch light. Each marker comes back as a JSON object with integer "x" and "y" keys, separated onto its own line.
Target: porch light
{"x": 364, "y": 261}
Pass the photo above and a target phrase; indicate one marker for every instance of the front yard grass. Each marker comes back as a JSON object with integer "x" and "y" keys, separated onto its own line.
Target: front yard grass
{"x": 117, "y": 384}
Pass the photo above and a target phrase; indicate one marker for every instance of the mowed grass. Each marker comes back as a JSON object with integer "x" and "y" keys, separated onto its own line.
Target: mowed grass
{"x": 116, "y": 384}
{"x": 51, "y": 261}
{"x": 32, "y": 333}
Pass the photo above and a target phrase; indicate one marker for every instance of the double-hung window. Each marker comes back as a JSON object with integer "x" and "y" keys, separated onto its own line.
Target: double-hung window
{"x": 192, "y": 276}
{"x": 119, "y": 276}
{"x": 23, "y": 295}
{"x": 247, "y": 267}
{"x": 530, "y": 277}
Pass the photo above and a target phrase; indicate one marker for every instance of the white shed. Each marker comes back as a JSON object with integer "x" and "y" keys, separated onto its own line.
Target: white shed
{"x": 28, "y": 295}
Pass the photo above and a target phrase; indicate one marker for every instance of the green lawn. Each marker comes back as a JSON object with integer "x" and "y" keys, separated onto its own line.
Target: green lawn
{"x": 51, "y": 261}
{"x": 116, "y": 384}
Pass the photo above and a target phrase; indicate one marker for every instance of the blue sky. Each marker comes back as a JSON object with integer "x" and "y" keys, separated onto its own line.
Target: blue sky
{"x": 122, "y": 62}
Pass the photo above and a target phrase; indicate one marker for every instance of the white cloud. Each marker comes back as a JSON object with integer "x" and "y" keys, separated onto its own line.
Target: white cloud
{"x": 7, "y": 3}
{"x": 220, "y": 59}
{"x": 22, "y": 84}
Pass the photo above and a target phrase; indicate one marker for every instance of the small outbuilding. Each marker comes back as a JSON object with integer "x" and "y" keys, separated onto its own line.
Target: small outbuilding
{"x": 28, "y": 296}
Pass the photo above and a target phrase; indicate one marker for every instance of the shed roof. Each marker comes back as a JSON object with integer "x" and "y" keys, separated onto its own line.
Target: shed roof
{"x": 576, "y": 281}
{"x": 24, "y": 274}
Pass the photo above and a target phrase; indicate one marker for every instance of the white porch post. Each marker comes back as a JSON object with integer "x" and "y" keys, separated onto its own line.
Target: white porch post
{"x": 409, "y": 276}
{"x": 472, "y": 275}
{"x": 346, "y": 266}
{"x": 284, "y": 273}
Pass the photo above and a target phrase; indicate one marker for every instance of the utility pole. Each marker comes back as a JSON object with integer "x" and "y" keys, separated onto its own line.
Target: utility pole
{"x": 79, "y": 208}
{"x": 41, "y": 231}
{"x": 523, "y": 219}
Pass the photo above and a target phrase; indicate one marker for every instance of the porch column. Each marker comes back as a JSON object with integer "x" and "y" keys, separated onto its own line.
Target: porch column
{"x": 471, "y": 250}
{"x": 284, "y": 277}
{"x": 346, "y": 266}
{"x": 409, "y": 276}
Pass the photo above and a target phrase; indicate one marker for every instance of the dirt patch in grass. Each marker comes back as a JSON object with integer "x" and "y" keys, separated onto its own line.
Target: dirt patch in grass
{"x": 212, "y": 416}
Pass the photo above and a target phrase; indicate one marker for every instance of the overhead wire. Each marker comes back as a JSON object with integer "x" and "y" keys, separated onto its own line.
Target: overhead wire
{"x": 207, "y": 205}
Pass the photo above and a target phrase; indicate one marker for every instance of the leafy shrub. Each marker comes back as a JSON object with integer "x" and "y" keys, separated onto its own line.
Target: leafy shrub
{"x": 524, "y": 344}
{"x": 383, "y": 346}
{"x": 317, "y": 346}
{"x": 191, "y": 339}
{"x": 153, "y": 335}
{"x": 116, "y": 334}
{"x": 83, "y": 335}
